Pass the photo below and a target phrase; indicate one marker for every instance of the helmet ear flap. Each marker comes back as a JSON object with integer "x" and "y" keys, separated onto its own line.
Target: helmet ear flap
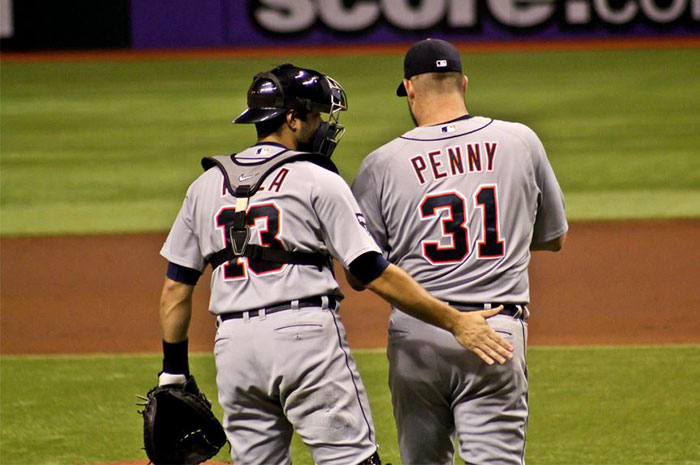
{"x": 266, "y": 91}
{"x": 265, "y": 99}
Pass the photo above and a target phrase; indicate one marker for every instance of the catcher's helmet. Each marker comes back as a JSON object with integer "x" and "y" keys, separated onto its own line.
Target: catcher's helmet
{"x": 288, "y": 87}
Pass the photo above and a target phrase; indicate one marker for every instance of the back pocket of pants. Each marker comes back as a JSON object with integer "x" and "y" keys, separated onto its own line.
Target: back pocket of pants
{"x": 299, "y": 331}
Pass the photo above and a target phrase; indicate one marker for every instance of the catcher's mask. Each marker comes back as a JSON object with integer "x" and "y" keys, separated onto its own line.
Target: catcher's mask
{"x": 288, "y": 87}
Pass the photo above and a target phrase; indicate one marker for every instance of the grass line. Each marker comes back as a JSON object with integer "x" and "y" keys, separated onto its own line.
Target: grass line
{"x": 362, "y": 352}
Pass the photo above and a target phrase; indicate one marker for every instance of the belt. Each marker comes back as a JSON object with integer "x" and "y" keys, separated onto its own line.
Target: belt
{"x": 316, "y": 301}
{"x": 514, "y": 310}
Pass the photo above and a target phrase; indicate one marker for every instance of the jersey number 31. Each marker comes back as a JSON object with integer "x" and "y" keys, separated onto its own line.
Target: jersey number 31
{"x": 454, "y": 226}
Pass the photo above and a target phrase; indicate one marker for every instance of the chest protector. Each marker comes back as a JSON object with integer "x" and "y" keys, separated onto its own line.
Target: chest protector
{"x": 243, "y": 180}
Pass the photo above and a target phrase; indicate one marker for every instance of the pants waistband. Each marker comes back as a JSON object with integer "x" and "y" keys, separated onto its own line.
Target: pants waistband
{"x": 515, "y": 310}
{"x": 316, "y": 301}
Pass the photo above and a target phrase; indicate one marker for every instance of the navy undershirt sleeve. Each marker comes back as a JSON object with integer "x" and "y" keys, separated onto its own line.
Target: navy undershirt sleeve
{"x": 368, "y": 266}
{"x": 182, "y": 274}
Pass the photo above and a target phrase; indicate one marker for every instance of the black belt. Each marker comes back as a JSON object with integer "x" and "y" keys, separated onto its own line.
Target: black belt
{"x": 316, "y": 301}
{"x": 514, "y": 310}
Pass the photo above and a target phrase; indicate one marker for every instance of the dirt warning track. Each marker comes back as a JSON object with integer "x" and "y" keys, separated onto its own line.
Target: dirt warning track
{"x": 614, "y": 283}
{"x": 512, "y": 46}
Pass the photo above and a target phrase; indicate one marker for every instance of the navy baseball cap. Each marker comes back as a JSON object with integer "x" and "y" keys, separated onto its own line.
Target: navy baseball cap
{"x": 429, "y": 56}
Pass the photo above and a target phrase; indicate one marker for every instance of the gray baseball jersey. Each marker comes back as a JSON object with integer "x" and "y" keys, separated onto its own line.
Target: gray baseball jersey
{"x": 283, "y": 370}
{"x": 457, "y": 205}
{"x": 301, "y": 206}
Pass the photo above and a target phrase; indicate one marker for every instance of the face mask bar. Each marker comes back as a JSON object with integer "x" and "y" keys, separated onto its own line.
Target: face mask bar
{"x": 329, "y": 133}
{"x": 339, "y": 101}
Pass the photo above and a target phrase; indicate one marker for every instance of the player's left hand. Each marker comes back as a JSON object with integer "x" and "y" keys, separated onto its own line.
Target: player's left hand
{"x": 474, "y": 333}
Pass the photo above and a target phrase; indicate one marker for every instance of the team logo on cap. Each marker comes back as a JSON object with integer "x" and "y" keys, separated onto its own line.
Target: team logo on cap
{"x": 441, "y": 63}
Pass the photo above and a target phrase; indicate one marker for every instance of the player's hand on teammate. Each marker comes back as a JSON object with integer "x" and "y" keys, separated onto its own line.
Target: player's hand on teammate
{"x": 474, "y": 333}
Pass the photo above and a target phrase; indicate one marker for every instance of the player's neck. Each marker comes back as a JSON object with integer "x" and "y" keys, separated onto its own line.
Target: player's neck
{"x": 282, "y": 138}
{"x": 431, "y": 112}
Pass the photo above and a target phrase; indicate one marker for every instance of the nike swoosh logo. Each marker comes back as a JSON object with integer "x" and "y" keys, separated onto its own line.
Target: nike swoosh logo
{"x": 243, "y": 177}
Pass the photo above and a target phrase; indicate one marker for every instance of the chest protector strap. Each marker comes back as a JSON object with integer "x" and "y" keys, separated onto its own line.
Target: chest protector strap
{"x": 238, "y": 230}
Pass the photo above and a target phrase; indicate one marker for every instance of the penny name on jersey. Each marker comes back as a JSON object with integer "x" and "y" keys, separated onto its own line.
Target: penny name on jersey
{"x": 458, "y": 160}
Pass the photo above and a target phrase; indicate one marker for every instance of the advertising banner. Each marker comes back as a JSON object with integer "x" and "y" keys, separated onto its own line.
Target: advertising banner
{"x": 182, "y": 23}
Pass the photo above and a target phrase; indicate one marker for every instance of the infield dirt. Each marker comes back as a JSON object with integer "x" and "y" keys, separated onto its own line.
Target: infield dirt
{"x": 614, "y": 283}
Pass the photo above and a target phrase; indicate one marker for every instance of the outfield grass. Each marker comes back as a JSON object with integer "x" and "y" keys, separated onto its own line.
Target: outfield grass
{"x": 594, "y": 405}
{"x": 112, "y": 146}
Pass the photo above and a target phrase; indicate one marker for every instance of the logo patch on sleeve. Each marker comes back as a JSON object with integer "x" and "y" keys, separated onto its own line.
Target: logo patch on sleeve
{"x": 361, "y": 220}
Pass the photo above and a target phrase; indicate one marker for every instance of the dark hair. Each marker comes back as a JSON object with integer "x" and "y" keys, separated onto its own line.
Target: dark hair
{"x": 272, "y": 125}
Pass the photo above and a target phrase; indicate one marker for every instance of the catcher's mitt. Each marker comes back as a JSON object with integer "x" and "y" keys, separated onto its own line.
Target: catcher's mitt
{"x": 179, "y": 426}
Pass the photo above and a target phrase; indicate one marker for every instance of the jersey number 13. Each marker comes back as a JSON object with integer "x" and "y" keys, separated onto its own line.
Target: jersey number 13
{"x": 267, "y": 218}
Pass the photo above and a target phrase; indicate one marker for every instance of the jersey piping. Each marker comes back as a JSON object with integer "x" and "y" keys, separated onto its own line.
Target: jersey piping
{"x": 448, "y": 137}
